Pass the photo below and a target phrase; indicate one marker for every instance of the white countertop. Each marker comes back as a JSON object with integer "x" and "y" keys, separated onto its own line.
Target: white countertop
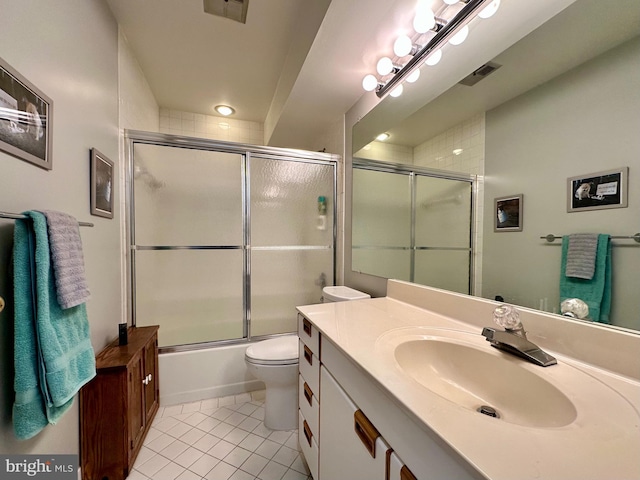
{"x": 602, "y": 442}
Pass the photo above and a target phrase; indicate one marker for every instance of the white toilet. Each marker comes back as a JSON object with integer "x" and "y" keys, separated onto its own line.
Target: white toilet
{"x": 341, "y": 293}
{"x": 275, "y": 362}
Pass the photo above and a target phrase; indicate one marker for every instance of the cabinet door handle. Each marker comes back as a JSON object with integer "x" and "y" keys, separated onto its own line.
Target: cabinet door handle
{"x": 145, "y": 381}
{"x": 405, "y": 474}
{"x": 308, "y": 393}
{"x": 150, "y": 377}
{"x": 308, "y": 355}
{"x": 306, "y": 326}
{"x": 307, "y": 431}
{"x": 365, "y": 430}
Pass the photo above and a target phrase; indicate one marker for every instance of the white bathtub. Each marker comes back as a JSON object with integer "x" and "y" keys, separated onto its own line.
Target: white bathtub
{"x": 215, "y": 372}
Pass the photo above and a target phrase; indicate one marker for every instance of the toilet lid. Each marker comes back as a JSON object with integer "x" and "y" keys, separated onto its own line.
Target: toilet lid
{"x": 274, "y": 351}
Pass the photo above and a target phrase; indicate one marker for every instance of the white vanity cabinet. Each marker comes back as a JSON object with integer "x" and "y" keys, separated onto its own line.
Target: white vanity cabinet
{"x": 350, "y": 446}
{"x": 308, "y": 393}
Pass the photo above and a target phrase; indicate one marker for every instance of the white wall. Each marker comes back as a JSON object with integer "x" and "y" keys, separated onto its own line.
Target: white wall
{"x": 69, "y": 50}
{"x": 583, "y": 122}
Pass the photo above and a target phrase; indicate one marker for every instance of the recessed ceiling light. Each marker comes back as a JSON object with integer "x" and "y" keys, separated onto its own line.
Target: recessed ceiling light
{"x": 382, "y": 137}
{"x": 225, "y": 110}
{"x": 457, "y": 151}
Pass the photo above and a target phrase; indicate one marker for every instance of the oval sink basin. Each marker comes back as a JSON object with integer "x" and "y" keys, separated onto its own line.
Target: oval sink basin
{"x": 473, "y": 377}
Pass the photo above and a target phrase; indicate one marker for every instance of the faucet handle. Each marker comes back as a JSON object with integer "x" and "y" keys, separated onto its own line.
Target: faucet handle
{"x": 507, "y": 317}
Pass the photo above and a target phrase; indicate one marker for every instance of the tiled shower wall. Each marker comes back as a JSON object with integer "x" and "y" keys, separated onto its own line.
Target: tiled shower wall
{"x": 208, "y": 126}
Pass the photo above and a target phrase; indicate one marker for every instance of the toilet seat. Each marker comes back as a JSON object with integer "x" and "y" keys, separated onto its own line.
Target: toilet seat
{"x": 275, "y": 351}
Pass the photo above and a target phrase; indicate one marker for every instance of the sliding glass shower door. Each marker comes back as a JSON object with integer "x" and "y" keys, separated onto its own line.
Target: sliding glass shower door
{"x": 225, "y": 244}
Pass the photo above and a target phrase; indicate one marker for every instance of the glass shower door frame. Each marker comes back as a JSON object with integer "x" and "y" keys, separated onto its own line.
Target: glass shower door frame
{"x": 414, "y": 172}
{"x": 247, "y": 152}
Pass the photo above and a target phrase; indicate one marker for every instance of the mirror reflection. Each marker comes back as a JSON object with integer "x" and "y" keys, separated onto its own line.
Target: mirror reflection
{"x": 563, "y": 104}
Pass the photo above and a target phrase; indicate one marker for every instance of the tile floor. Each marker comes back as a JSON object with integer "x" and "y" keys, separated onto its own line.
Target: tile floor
{"x": 218, "y": 439}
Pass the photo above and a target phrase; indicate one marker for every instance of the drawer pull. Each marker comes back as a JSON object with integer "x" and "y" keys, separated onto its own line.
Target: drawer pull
{"x": 307, "y": 431}
{"x": 405, "y": 474}
{"x": 306, "y": 326}
{"x": 308, "y": 355}
{"x": 308, "y": 394}
{"x": 366, "y": 432}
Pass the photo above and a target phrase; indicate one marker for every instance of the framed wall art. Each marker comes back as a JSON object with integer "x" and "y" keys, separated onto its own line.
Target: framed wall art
{"x": 25, "y": 119}
{"x": 596, "y": 191}
{"x": 507, "y": 214}
{"x": 101, "y": 185}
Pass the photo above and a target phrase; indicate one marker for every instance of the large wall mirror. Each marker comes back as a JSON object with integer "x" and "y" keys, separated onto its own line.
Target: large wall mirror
{"x": 563, "y": 103}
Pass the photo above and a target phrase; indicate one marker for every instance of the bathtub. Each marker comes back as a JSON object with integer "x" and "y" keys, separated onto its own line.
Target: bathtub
{"x": 199, "y": 374}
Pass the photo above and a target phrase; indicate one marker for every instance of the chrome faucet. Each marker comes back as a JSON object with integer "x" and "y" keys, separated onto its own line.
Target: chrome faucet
{"x": 514, "y": 339}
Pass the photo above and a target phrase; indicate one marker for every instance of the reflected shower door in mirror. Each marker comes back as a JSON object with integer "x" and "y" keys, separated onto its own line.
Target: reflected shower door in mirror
{"x": 412, "y": 224}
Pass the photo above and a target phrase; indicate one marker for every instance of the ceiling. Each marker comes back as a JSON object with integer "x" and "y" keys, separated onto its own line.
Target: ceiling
{"x": 295, "y": 66}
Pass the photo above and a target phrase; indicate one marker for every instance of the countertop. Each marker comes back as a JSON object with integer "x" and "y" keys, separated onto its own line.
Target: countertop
{"x": 602, "y": 442}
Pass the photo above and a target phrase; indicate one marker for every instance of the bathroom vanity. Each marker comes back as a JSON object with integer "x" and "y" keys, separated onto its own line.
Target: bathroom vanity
{"x": 391, "y": 388}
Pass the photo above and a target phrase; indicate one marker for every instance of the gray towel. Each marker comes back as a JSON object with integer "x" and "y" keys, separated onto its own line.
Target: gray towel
{"x": 581, "y": 255}
{"x": 67, "y": 259}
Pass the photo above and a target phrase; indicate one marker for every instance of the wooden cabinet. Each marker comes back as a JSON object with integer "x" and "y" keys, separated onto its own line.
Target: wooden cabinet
{"x": 118, "y": 405}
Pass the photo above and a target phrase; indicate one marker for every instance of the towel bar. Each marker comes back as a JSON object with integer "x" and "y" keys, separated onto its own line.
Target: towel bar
{"x": 636, "y": 237}
{"x": 16, "y": 216}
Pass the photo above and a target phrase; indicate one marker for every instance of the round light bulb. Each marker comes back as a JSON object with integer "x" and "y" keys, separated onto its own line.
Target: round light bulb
{"x": 385, "y": 66}
{"x": 369, "y": 83}
{"x": 414, "y": 76}
{"x": 450, "y": 2}
{"x": 434, "y": 58}
{"x": 396, "y": 92}
{"x": 490, "y": 9}
{"x": 224, "y": 110}
{"x": 424, "y": 21}
{"x": 402, "y": 46}
{"x": 460, "y": 36}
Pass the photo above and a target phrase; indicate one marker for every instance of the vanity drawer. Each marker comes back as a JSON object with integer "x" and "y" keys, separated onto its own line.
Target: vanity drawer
{"x": 309, "y": 334}
{"x": 309, "y": 366}
{"x": 308, "y": 445}
{"x": 308, "y": 403}
{"x": 398, "y": 470}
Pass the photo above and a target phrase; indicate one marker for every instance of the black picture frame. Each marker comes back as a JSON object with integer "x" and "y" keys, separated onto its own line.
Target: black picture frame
{"x": 26, "y": 115}
{"x": 102, "y": 185}
{"x": 598, "y": 191}
{"x": 507, "y": 213}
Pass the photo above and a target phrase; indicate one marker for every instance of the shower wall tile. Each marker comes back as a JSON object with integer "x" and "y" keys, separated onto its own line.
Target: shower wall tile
{"x": 212, "y": 127}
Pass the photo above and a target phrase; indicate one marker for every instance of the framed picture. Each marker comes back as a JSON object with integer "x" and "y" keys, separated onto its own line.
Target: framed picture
{"x": 596, "y": 191}
{"x": 101, "y": 185}
{"x": 25, "y": 119}
{"x": 507, "y": 214}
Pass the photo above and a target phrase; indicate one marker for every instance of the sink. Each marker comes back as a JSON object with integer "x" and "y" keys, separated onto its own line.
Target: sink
{"x": 468, "y": 372}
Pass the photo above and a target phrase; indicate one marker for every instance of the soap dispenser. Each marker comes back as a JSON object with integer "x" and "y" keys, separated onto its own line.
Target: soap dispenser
{"x": 322, "y": 213}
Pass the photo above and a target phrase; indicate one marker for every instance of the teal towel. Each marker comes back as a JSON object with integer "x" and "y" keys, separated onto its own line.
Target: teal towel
{"x": 596, "y": 292}
{"x": 53, "y": 354}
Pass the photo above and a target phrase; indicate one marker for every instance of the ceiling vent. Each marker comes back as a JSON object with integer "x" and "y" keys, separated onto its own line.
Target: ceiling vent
{"x": 482, "y": 72}
{"x": 232, "y": 9}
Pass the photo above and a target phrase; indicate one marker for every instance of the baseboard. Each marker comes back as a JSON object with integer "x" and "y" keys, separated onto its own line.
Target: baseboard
{"x": 211, "y": 392}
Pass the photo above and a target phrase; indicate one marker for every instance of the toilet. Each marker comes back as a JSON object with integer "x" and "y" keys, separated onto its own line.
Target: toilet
{"x": 275, "y": 362}
{"x": 340, "y": 293}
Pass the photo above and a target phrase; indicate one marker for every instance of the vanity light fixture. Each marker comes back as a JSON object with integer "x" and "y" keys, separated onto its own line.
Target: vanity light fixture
{"x": 454, "y": 31}
{"x": 224, "y": 110}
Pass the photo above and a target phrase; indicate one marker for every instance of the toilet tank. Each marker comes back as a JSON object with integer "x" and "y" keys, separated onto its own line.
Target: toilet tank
{"x": 341, "y": 293}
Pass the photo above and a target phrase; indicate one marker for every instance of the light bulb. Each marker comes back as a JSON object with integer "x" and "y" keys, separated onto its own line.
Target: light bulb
{"x": 424, "y": 20}
{"x": 460, "y": 36}
{"x": 369, "y": 83}
{"x": 385, "y": 66}
{"x": 413, "y": 76}
{"x": 434, "y": 58}
{"x": 490, "y": 9}
{"x": 450, "y": 2}
{"x": 402, "y": 46}
{"x": 396, "y": 92}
